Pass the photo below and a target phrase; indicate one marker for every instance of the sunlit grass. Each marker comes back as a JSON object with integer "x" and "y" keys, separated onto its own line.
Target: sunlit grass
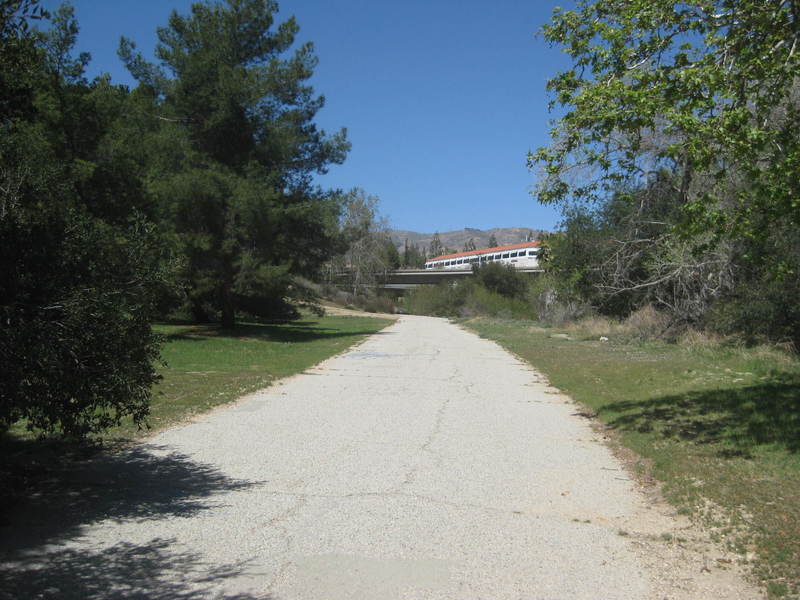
{"x": 206, "y": 366}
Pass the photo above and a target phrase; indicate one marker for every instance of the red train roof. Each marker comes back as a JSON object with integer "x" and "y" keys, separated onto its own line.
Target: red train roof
{"x": 533, "y": 244}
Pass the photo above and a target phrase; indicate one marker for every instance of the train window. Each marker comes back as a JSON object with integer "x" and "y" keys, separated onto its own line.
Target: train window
{"x": 531, "y": 252}
{"x": 505, "y": 255}
{"x": 513, "y": 255}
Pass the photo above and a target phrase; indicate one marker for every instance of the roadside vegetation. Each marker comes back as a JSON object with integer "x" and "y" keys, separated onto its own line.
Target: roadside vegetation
{"x": 495, "y": 289}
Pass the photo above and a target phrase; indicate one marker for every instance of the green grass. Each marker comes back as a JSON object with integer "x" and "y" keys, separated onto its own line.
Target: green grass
{"x": 719, "y": 426}
{"x": 207, "y": 366}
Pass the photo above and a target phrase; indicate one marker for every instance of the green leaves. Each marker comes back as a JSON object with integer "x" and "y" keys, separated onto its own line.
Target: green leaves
{"x": 703, "y": 84}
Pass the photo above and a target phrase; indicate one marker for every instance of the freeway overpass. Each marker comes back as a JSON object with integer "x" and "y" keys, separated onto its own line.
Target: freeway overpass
{"x": 411, "y": 278}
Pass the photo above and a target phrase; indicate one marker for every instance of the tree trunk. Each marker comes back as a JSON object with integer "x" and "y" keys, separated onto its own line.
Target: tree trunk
{"x": 199, "y": 313}
{"x": 228, "y": 307}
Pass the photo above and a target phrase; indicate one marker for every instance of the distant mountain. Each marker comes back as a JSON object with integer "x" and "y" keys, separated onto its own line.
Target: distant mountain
{"x": 455, "y": 240}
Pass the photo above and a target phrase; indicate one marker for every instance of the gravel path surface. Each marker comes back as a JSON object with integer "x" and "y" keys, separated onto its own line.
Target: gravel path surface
{"x": 424, "y": 463}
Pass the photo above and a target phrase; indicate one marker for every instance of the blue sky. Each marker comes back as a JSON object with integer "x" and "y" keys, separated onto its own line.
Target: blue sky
{"x": 442, "y": 99}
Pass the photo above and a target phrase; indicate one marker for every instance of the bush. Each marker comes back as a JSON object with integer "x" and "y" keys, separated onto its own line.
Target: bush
{"x": 556, "y": 302}
{"x": 645, "y": 324}
{"x": 378, "y": 304}
{"x": 501, "y": 279}
{"x": 77, "y": 351}
{"x": 762, "y": 309}
{"x": 471, "y": 298}
{"x": 481, "y": 301}
{"x": 441, "y": 300}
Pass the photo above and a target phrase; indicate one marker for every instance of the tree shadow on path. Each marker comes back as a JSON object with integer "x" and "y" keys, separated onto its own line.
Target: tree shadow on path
{"x": 152, "y": 571}
{"x": 142, "y": 483}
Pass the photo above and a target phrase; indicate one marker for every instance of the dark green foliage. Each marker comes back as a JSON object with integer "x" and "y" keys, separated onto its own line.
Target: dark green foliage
{"x": 391, "y": 254}
{"x": 764, "y": 303}
{"x": 412, "y": 256}
{"x": 501, "y": 279}
{"x": 82, "y": 276}
{"x": 238, "y": 193}
{"x": 76, "y": 349}
{"x": 220, "y": 153}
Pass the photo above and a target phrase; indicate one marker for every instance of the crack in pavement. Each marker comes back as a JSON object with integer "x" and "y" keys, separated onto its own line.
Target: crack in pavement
{"x": 411, "y": 474}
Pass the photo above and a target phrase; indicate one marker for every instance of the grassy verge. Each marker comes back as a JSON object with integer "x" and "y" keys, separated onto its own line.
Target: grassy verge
{"x": 205, "y": 366}
{"x": 719, "y": 426}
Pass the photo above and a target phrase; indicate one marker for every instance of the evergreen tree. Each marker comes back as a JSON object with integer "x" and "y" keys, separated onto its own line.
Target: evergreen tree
{"x": 436, "y": 248}
{"x": 493, "y": 241}
{"x": 240, "y": 197}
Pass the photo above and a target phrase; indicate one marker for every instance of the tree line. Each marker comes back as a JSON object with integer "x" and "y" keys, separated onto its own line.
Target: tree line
{"x": 676, "y": 162}
{"x": 192, "y": 192}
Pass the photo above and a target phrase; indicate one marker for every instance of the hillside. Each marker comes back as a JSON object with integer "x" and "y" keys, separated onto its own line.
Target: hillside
{"x": 456, "y": 239}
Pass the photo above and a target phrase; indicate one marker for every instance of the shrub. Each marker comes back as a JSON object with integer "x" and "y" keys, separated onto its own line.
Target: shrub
{"x": 646, "y": 323}
{"x": 556, "y": 302}
{"x": 76, "y": 348}
{"x": 378, "y": 304}
{"x": 482, "y": 301}
{"x": 501, "y": 279}
{"x": 442, "y": 300}
{"x": 471, "y": 298}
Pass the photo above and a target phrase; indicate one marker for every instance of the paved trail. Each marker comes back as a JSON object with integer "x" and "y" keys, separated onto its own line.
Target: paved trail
{"x": 425, "y": 463}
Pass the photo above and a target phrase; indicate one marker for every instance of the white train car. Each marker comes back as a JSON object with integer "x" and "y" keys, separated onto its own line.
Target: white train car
{"x": 521, "y": 255}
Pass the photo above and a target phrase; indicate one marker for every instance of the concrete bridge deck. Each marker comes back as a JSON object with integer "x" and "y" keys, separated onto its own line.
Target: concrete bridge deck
{"x": 411, "y": 278}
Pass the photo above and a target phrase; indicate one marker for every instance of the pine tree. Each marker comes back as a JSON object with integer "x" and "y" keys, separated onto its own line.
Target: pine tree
{"x": 436, "y": 248}
{"x": 240, "y": 198}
